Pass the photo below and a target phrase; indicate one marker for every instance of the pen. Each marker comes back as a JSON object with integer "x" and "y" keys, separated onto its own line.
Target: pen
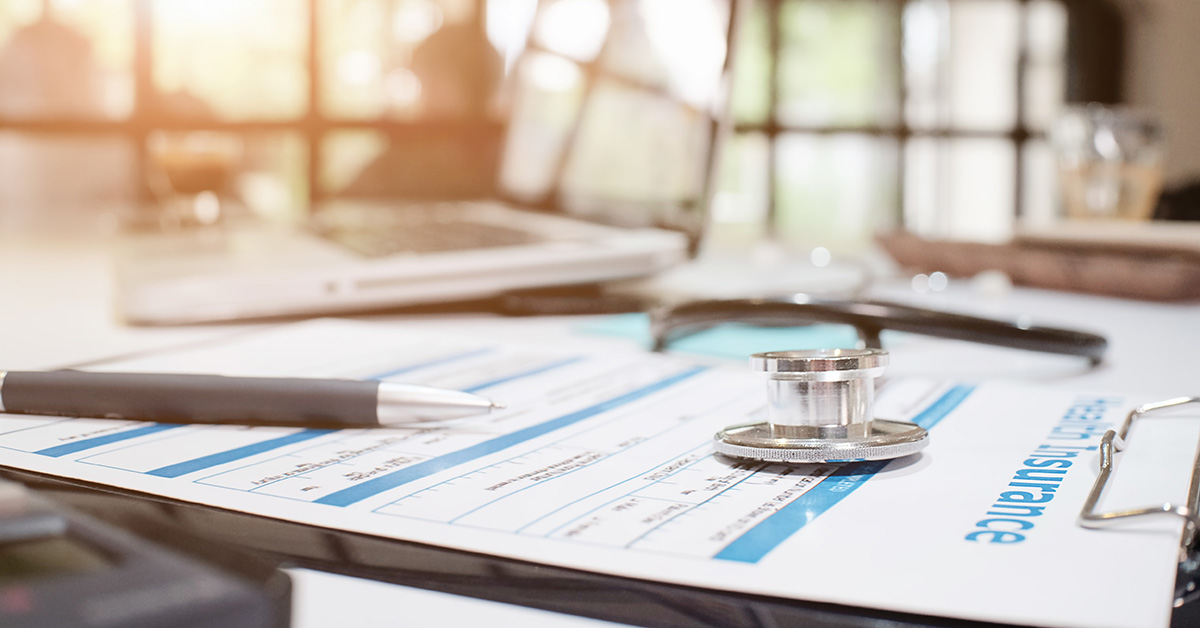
{"x": 183, "y": 398}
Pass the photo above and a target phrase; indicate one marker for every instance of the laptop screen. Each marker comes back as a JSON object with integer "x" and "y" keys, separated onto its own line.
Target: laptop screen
{"x": 615, "y": 109}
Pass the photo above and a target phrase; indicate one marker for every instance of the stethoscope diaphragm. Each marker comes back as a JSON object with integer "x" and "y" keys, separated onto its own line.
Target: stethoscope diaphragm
{"x": 820, "y": 408}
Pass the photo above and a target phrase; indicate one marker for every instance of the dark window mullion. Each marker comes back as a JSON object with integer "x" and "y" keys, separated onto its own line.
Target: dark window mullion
{"x": 944, "y": 114}
{"x": 1021, "y": 133}
{"x": 901, "y": 110}
{"x": 482, "y": 84}
{"x": 145, "y": 98}
{"x": 774, "y": 45}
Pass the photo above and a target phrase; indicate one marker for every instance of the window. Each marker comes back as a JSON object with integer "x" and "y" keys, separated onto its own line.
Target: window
{"x": 851, "y": 115}
{"x": 283, "y": 101}
{"x": 848, "y": 115}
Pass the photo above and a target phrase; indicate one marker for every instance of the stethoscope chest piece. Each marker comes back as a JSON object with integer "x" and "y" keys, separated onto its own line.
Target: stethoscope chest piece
{"x": 820, "y": 408}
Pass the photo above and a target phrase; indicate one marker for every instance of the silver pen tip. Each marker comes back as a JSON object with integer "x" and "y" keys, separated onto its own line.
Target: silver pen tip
{"x": 496, "y": 405}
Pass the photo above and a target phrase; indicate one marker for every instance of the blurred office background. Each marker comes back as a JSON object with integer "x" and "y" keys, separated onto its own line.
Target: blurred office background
{"x": 844, "y": 116}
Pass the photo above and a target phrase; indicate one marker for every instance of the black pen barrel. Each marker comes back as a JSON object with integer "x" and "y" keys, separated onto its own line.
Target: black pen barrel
{"x": 170, "y": 397}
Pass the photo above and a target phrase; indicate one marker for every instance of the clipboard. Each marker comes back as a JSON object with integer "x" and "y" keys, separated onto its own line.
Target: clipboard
{"x": 588, "y": 594}
{"x": 840, "y": 591}
{"x": 1187, "y": 589}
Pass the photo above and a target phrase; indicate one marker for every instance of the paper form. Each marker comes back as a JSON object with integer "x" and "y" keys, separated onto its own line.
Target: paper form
{"x": 603, "y": 461}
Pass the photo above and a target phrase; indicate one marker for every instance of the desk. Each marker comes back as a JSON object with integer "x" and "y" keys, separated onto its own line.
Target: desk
{"x": 58, "y": 313}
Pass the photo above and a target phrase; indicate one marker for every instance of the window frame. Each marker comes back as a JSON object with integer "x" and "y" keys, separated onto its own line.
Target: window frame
{"x": 313, "y": 126}
{"x": 1019, "y": 135}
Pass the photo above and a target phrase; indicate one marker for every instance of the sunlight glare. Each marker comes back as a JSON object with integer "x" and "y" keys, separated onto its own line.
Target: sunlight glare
{"x": 206, "y": 13}
{"x": 689, "y": 37}
{"x": 359, "y": 67}
{"x": 403, "y": 87}
{"x": 574, "y": 28}
{"x": 508, "y": 24}
{"x": 553, "y": 74}
{"x": 415, "y": 20}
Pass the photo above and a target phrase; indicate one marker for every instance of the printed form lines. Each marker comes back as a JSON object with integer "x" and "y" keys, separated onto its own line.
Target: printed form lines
{"x": 757, "y": 542}
{"x": 529, "y": 373}
{"x": 560, "y": 459}
{"x": 231, "y": 455}
{"x": 424, "y": 469}
{"x": 75, "y": 447}
{"x": 438, "y": 361}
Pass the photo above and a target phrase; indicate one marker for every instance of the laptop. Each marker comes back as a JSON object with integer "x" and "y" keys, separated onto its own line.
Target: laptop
{"x": 605, "y": 185}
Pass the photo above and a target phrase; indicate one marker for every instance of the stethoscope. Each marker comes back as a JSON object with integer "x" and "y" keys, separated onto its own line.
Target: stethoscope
{"x": 820, "y": 408}
{"x": 820, "y": 403}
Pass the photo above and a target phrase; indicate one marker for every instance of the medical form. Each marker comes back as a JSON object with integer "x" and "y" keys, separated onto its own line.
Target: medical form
{"x": 603, "y": 460}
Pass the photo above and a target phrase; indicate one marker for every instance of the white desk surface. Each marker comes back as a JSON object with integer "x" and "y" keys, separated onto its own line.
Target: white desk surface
{"x": 56, "y": 295}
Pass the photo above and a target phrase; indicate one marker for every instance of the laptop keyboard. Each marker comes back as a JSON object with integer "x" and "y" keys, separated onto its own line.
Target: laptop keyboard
{"x": 422, "y": 232}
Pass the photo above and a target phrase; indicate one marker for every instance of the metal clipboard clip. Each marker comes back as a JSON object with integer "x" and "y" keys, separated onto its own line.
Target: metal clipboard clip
{"x": 1114, "y": 441}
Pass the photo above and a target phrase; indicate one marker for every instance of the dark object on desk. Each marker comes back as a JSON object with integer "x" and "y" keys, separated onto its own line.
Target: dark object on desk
{"x": 669, "y": 323}
{"x": 187, "y": 398}
{"x": 1156, "y": 269}
{"x": 62, "y": 568}
{"x": 611, "y": 598}
{"x": 595, "y": 298}
{"x": 1181, "y": 202}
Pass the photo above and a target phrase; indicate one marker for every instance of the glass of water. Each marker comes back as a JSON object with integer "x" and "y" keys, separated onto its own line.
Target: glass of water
{"x": 1110, "y": 162}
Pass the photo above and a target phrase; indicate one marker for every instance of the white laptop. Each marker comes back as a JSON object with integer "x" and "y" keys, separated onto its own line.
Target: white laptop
{"x": 374, "y": 255}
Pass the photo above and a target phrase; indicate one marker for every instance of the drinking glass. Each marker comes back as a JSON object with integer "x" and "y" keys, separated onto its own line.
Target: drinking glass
{"x": 1110, "y": 162}
{"x": 190, "y": 172}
